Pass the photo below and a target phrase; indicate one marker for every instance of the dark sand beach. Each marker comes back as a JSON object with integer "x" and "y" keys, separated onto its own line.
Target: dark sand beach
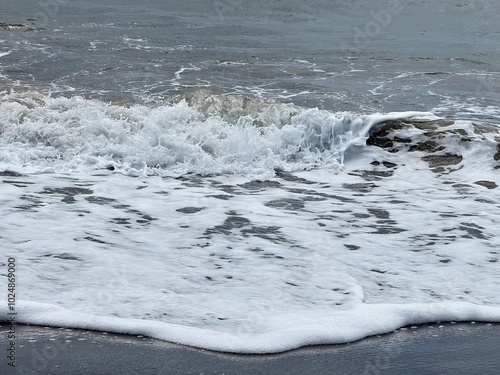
{"x": 446, "y": 348}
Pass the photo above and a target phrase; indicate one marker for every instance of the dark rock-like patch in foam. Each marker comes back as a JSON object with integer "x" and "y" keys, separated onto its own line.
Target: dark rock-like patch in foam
{"x": 360, "y": 187}
{"x": 35, "y": 203}
{"x": 260, "y": 185}
{"x": 190, "y": 210}
{"x": 426, "y": 146}
{"x": 96, "y": 240}
{"x": 64, "y": 256}
{"x": 442, "y": 160}
{"x": 292, "y": 178}
{"x": 378, "y": 213}
{"x": 372, "y": 175}
{"x": 270, "y": 233}
{"x": 100, "y": 200}
{"x": 191, "y": 181}
{"x": 286, "y": 204}
{"x": 231, "y": 222}
{"x": 386, "y": 229}
{"x": 246, "y": 228}
{"x": 220, "y": 196}
{"x": 487, "y": 184}
{"x": 496, "y": 157}
{"x": 120, "y": 220}
{"x": 16, "y": 183}
{"x": 8, "y": 173}
{"x": 69, "y": 193}
{"x": 352, "y": 247}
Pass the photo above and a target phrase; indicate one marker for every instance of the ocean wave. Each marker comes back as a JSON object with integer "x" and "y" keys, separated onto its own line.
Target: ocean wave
{"x": 196, "y": 133}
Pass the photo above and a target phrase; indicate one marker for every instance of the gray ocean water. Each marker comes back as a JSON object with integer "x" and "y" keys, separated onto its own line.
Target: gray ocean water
{"x": 361, "y": 56}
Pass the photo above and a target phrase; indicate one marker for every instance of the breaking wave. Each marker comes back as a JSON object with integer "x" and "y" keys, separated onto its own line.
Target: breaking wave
{"x": 196, "y": 133}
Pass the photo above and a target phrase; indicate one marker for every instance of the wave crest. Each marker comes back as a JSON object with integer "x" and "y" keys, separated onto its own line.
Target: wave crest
{"x": 195, "y": 133}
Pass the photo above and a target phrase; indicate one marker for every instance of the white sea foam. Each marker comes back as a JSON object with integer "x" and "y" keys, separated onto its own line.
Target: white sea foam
{"x": 228, "y": 263}
{"x": 286, "y": 331}
{"x": 205, "y": 134}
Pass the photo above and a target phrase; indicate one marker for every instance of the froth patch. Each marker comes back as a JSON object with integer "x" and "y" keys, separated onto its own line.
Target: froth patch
{"x": 285, "y": 332}
{"x": 339, "y": 256}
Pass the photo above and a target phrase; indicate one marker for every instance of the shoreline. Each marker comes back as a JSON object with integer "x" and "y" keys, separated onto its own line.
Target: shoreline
{"x": 444, "y": 348}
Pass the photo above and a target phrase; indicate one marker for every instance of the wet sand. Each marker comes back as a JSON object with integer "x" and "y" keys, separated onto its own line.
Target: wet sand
{"x": 446, "y": 348}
